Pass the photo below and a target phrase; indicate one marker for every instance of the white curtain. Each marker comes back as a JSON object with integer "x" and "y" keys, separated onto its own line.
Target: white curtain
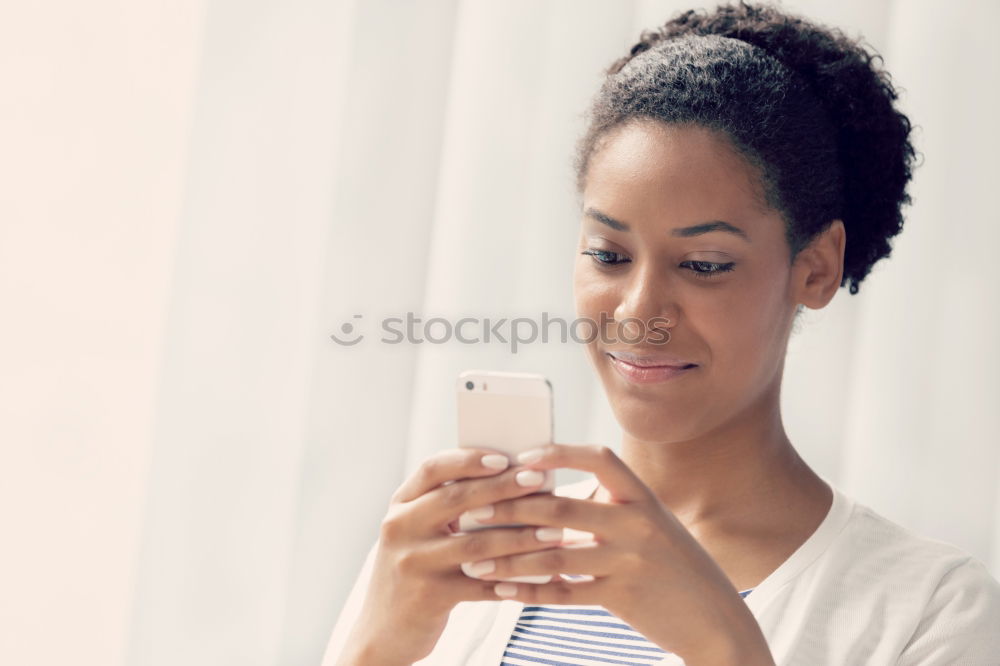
{"x": 196, "y": 194}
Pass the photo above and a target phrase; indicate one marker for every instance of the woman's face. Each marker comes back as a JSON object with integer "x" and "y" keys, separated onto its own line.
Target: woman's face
{"x": 660, "y": 180}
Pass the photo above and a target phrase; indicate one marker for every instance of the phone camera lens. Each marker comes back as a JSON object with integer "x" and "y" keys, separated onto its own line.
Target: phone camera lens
{"x": 469, "y": 385}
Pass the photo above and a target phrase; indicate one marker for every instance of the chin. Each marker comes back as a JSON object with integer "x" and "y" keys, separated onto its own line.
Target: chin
{"x": 648, "y": 422}
{"x": 650, "y": 413}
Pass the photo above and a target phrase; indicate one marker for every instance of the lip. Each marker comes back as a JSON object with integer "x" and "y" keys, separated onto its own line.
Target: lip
{"x": 648, "y": 374}
{"x": 656, "y": 360}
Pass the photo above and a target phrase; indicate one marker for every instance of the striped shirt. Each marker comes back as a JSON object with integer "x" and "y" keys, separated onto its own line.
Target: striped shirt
{"x": 853, "y": 592}
{"x": 577, "y": 635}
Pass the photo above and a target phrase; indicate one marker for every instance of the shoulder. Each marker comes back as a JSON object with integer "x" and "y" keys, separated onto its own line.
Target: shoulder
{"x": 878, "y": 552}
{"x": 948, "y": 597}
{"x": 870, "y": 538}
{"x": 960, "y": 623}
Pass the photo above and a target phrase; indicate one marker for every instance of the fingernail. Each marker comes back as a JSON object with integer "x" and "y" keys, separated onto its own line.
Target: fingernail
{"x": 482, "y": 512}
{"x": 505, "y": 589}
{"x": 495, "y": 461}
{"x": 530, "y": 456}
{"x": 529, "y": 477}
{"x": 478, "y": 568}
{"x": 549, "y": 534}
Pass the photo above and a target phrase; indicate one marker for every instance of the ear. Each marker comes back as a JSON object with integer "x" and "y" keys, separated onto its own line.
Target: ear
{"x": 819, "y": 267}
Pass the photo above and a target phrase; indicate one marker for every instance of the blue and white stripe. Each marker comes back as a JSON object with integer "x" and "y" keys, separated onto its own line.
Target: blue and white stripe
{"x": 577, "y": 635}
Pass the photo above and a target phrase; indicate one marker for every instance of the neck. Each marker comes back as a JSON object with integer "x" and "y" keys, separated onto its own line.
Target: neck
{"x": 744, "y": 474}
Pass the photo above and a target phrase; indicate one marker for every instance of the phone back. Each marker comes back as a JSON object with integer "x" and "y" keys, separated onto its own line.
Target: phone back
{"x": 507, "y": 412}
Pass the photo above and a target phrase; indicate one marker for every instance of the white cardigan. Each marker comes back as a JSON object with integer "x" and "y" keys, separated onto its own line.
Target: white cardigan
{"x": 860, "y": 590}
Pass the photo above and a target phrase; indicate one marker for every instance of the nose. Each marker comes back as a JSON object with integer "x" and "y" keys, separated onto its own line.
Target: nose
{"x": 645, "y": 303}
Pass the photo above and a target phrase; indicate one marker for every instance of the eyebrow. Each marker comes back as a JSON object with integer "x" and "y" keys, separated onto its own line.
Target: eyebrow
{"x": 683, "y": 232}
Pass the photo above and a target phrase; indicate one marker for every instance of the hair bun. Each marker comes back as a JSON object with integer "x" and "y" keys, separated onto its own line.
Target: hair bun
{"x": 874, "y": 153}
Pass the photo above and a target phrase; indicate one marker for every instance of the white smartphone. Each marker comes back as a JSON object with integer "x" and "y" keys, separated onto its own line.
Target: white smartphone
{"x": 506, "y": 412}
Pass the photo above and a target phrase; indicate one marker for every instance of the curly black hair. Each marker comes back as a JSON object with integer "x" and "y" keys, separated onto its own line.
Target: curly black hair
{"x": 807, "y": 106}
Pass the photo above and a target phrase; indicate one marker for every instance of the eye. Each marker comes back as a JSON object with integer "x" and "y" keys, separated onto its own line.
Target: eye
{"x": 604, "y": 257}
{"x": 708, "y": 269}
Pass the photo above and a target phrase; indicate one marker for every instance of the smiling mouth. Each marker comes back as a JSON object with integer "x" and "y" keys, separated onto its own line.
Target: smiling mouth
{"x": 648, "y": 374}
{"x": 650, "y": 360}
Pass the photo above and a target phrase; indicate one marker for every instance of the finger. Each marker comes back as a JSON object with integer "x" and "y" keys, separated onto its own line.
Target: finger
{"x": 611, "y": 471}
{"x": 463, "y": 588}
{"x": 560, "y": 592}
{"x": 449, "y": 465}
{"x": 592, "y": 559}
{"x": 456, "y": 549}
{"x": 446, "y": 502}
{"x": 598, "y": 518}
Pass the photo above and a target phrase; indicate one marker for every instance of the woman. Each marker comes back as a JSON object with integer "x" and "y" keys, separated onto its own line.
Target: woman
{"x": 738, "y": 166}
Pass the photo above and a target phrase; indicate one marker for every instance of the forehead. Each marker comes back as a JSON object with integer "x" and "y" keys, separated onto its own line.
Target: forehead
{"x": 687, "y": 170}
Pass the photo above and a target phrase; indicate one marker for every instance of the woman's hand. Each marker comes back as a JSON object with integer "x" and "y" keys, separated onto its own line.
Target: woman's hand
{"x": 647, "y": 568}
{"x": 417, "y": 576}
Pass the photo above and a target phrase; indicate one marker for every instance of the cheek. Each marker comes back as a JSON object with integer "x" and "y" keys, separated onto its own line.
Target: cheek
{"x": 591, "y": 292}
{"x": 747, "y": 334}
{"x": 592, "y": 295}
